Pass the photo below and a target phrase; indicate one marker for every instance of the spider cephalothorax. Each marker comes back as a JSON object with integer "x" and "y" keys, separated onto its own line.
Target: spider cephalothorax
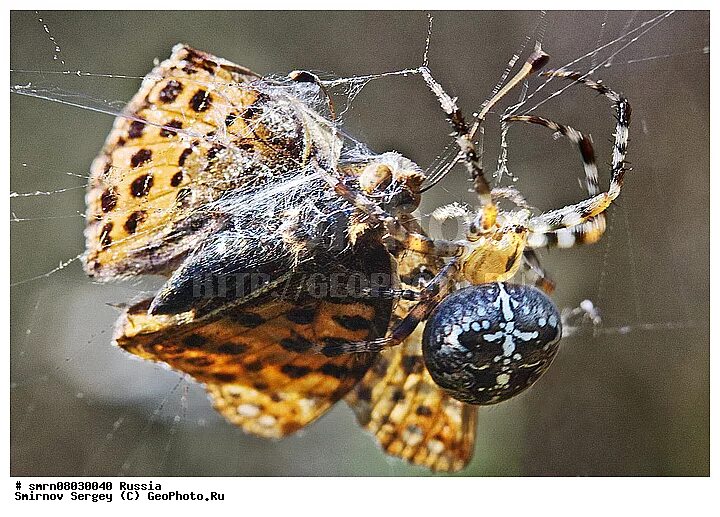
{"x": 494, "y": 255}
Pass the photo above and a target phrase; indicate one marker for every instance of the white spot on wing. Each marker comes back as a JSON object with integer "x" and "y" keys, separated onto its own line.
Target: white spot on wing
{"x": 248, "y": 410}
{"x": 267, "y": 420}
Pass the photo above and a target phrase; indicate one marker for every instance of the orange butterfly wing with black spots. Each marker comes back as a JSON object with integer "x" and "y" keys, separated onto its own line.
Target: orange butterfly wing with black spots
{"x": 262, "y": 357}
{"x": 256, "y": 361}
{"x": 410, "y": 416}
{"x": 198, "y": 126}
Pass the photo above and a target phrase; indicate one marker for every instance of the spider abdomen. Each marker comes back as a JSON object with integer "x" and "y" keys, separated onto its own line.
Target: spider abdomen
{"x": 486, "y": 343}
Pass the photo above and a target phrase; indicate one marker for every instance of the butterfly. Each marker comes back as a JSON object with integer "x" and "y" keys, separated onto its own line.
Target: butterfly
{"x": 218, "y": 179}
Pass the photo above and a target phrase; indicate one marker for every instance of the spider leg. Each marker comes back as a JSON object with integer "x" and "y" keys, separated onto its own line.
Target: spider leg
{"x": 590, "y": 230}
{"x": 394, "y": 227}
{"x": 573, "y": 216}
{"x": 435, "y": 291}
{"x": 412, "y": 295}
{"x": 468, "y": 150}
{"x": 587, "y": 232}
{"x": 511, "y": 194}
{"x": 583, "y": 142}
{"x": 531, "y": 261}
{"x": 622, "y": 117}
{"x": 464, "y": 134}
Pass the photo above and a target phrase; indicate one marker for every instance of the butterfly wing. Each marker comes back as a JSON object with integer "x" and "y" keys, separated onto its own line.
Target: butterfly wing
{"x": 399, "y": 403}
{"x": 254, "y": 361}
{"x": 198, "y": 127}
{"x": 409, "y": 415}
{"x": 259, "y": 360}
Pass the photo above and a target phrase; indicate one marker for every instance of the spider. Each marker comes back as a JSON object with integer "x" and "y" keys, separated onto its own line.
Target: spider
{"x": 491, "y": 340}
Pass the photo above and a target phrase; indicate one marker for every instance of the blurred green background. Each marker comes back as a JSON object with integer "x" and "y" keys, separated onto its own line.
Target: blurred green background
{"x": 631, "y": 400}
